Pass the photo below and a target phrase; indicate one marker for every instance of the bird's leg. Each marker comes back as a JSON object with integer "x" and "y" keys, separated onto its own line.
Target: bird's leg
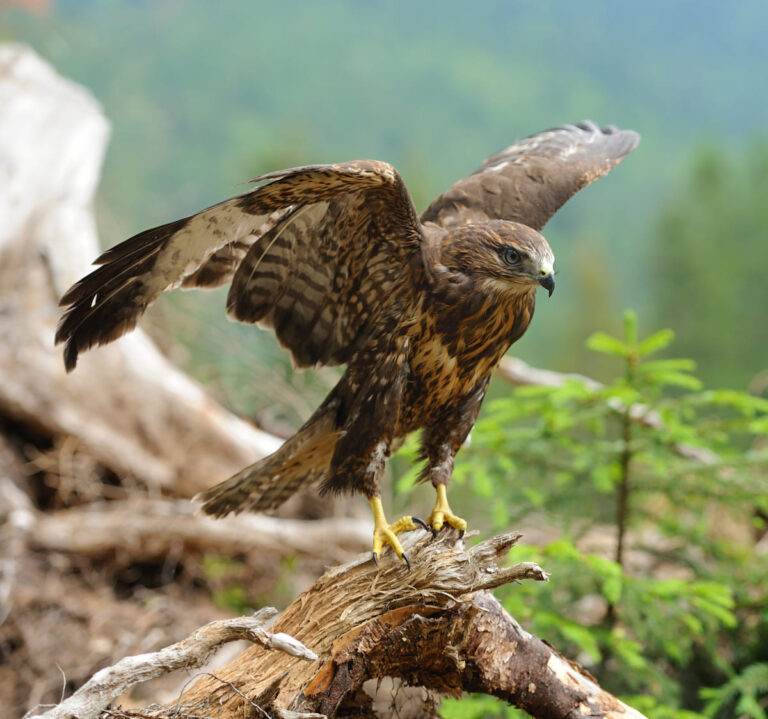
{"x": 385, "y": 533}
{"x": 375, "y": 387}
{"x": 442, "y": 514}
{"x": 439, "y": 444}
{"x": 439, "y": 471}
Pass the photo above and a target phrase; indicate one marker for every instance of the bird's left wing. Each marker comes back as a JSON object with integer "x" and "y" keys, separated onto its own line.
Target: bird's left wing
{"x": 316, "y": 253}
{"x": 529, "y": 181}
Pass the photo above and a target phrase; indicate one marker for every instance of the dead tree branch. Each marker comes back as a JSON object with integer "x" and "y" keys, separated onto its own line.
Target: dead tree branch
{"x": 472, "y": 646}
{"x": 108, "y": 684}
{"x": 434, "y": 627}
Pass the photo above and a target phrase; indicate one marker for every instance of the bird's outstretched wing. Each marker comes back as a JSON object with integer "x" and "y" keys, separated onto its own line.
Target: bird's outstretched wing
{"x": 317, "y": 253}
{"x": 529, "y": 181}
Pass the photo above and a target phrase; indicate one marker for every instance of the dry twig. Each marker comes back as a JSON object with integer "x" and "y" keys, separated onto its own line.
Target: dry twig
{"x": 108, "y": 684}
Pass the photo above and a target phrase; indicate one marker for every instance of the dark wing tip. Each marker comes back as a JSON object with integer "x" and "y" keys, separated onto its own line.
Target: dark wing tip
{"x": 64, "y": 334}
{"x": 531, "y": 179}
{"x": 73, "y": 294}
{"x": 82, "y": 327}
{"x": 70, "y": 355}
{"x": 589, "y": 126}
{"x": 108, "y": 302}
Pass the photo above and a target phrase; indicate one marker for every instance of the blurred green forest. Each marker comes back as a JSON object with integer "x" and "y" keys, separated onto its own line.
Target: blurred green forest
{"x": 202, "y": 98}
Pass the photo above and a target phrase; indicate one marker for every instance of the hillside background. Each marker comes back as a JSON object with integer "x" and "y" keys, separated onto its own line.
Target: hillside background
{"x": 203, "y": 99}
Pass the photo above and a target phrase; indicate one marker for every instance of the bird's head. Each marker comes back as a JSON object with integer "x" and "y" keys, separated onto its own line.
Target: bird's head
{"x": 506, "y": 257}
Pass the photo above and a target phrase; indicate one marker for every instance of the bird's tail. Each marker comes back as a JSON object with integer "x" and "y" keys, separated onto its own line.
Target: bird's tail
{"x": 265, "y": 485}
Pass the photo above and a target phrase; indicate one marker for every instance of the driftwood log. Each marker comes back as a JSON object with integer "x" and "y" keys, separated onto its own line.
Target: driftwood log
{"x": 436, "y": 628}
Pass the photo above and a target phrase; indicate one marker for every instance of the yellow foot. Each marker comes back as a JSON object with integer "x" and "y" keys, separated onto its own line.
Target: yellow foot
{"x": 385, "y": 533}
{"x": 442, "y": 515}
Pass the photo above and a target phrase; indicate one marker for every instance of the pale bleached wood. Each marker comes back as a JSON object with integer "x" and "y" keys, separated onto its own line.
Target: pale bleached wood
{"x": 109, "y": 683}
{"x": 133, "y": 410}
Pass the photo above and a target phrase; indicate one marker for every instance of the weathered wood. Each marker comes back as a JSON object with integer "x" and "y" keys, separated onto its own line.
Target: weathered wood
{"x": 471, "y": 646}
{"x": 109, "y": 683}
{"x": 135, "y": 412}
{"x": 434, "y": 626}
{"x": 143, "y": 529}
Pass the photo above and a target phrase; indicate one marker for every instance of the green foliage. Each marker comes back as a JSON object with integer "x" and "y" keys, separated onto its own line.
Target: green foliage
{"x": 744, "y": 696}
{"x": 234, "y": 588}
{"x": 652, "y": 487}
{"x": 225, "y": 578}
{"x": 479, "y": 707}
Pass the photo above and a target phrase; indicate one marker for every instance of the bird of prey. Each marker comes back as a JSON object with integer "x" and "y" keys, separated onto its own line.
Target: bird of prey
{"x": 336, "y": 260}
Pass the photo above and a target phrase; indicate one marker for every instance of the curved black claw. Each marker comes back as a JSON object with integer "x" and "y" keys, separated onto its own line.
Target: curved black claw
{"x": 406, "y": 560}
{"x": 461, "y": 533}
{"x": 376, "y": 559}
{"x": 435, "y": 532}
{"x": 420, "y": 522}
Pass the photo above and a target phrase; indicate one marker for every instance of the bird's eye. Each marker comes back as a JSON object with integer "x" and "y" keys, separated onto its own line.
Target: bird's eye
{"x": 510, "y": 255}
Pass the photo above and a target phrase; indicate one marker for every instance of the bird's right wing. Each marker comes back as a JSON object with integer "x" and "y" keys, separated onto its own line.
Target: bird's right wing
{"x": 529, "y": 181}
{"x": 317, "y": 253}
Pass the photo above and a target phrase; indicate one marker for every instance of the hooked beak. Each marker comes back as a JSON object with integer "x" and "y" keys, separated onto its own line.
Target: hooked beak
{"x": 547, "y": 277}
{"x": 548, "y": 283}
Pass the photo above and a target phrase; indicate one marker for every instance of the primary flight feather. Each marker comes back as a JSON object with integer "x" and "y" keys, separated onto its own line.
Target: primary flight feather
{"x": 335, "y": 259}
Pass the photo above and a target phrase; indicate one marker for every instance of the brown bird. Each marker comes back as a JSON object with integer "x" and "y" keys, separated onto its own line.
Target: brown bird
{"x": 335, "y": 259}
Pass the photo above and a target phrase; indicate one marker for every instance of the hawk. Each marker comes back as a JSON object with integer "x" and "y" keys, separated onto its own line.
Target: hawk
{"x": 337, "y": 262}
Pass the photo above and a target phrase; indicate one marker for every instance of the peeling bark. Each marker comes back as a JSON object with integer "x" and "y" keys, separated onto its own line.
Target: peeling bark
{"x": 472, "y": 646}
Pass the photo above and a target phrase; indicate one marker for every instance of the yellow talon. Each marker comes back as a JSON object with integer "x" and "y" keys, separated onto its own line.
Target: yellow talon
{"x": 385, "y": 533}
{"x": 442, "y": 514}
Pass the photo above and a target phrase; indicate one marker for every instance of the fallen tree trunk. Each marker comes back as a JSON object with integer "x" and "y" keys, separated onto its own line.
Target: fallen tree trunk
{"x": 143, "y": 529}
{"x": 436, "y": 627}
